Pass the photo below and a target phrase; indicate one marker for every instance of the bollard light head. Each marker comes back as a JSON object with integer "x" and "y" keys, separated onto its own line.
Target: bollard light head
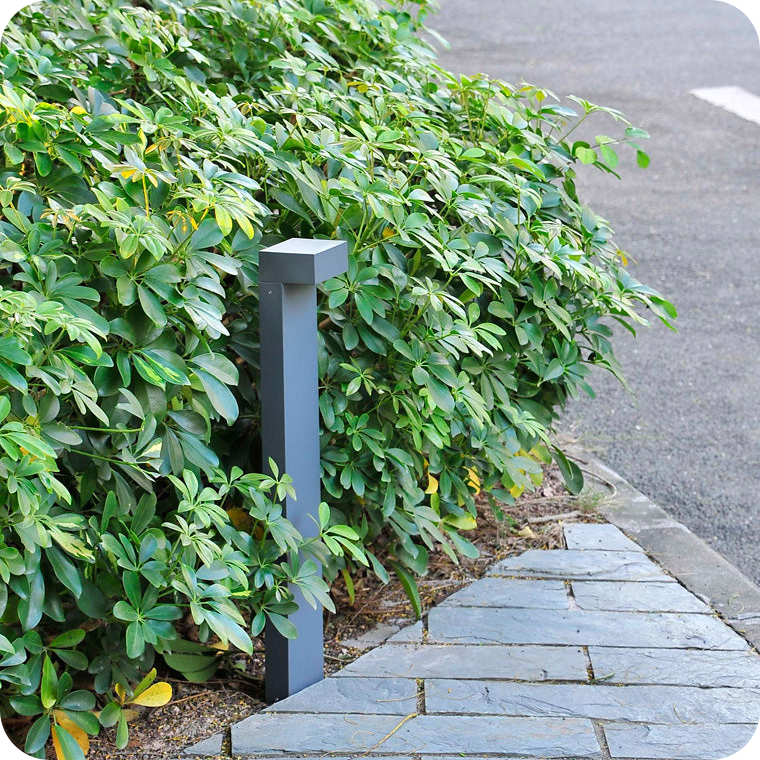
{"x": 303, "y": 261}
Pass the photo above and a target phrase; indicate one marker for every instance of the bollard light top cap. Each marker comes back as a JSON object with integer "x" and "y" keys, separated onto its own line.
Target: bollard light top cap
{"x": 303, "y": 261}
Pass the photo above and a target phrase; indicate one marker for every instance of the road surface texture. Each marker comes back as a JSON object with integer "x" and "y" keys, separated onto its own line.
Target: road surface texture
{"x": 690, "y": 436}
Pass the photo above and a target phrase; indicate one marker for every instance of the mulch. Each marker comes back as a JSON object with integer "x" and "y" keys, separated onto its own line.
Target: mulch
{"x": 198, "y": 711}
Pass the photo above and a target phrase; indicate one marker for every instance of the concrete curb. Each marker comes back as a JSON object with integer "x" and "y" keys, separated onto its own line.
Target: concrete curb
{"x": 680, "y": 552}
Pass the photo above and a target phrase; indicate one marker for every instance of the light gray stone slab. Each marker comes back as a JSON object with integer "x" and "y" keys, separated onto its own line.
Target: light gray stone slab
{"x": 639, "y": 704}
{"x": 691, "y": 667}
{"x": 646, "y": 596}
{"x": 207, "y": 748}
{"x": 411, "y": 632}
{"x": 522, "y": 663}
{"x": 486, "y": 625}
{"x": 468, "y": 735}
{"x": 595, "y": 536}
{"x": 366, "y": 695}
{"x": 268, "y": 733}
{"x": 509, "y": 592}
{"x": 372, "y": 638}
{"x": 696, "y": 742}
{"x": 582, "y": 565}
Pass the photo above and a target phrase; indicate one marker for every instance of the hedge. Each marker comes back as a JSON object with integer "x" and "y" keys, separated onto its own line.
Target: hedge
{"x": 150, "y": 150}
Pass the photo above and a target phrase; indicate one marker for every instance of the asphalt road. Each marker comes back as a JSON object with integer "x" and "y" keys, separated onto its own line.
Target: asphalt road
{"x": 690, "y": 436}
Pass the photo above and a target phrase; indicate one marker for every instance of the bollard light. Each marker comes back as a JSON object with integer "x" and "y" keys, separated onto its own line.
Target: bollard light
{"x": 288, "y": 277}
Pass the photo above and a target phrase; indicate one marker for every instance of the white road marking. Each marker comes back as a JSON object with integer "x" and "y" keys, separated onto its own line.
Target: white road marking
{"x": 733, "y": 99}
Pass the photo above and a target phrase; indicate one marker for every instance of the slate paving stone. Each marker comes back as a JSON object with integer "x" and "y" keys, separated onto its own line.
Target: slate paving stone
{"x": 485, "y": 625}
{"x": 522, "y": 663}
{"x": 636, "y": 597}
{"x": 641, "y": 704}
{"x": 411, "y": 632}
{"x": 208, "y": 747}
{"x": 695, "y": 667}
{"x": 677, "y": 742}
{"x": 508, "y": 592}
{"x": 378, "y": 696}
{"x": 581, "y": 565}
{"x": 267, "y": 733}
{"x": 505, "y": 675}
{"x": 592, "y": 536}
{"x": 530, "y": 737}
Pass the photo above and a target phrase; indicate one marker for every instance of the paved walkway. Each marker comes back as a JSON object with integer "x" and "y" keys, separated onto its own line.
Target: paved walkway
{"x": 588, "y": 652}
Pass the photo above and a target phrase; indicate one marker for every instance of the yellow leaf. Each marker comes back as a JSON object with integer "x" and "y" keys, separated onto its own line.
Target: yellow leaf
{"x": 80, "y": 737}
{"x": 120, "y": 692}
{"x": 129, "y": 715}
{"x": 221, "y": 646}
{"x": 526, "y": 532}
{"x": 78, "y": 110}
{"x": 240, "y": 518}
{"x": 472, "y": 479}
{"x": 432, "y": 486}
{"x": 388, "y": 232}
{"x": 158, "y": 694}
{"x": 127, "y": 173}
{"x": 623, "y": 257}
{"x": 516, "y": 491}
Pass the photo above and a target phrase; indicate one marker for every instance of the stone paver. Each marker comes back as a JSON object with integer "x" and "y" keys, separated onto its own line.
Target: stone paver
{"x": 211, "y": 746}
{"x": 655, "y": 596}
{"x": 485, "y": 625}
{"x": 697, "y": 742}
{"x": 550, "y": 651}
{"x": 697, "y": 667}
{"x": 641, "y": 704}
{"x": 582, "y": 565}
{"x": 519, "y": 663}
{"x": 593, "y": 536}
{"x": 435, "y": 734}
{"x": 372, "y": 696}
{"x": 412, "y": 632}
{"x": 507, "y": 592}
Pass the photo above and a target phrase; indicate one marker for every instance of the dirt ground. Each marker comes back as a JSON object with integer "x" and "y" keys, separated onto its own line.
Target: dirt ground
{"x": 198, "y": 711}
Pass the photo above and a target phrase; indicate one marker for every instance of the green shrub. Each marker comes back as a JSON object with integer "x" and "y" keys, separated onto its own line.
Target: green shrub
{"x": 150, "y": 150}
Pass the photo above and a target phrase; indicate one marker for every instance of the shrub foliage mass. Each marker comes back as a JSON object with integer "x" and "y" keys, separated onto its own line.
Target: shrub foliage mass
{"x": 149, "y": 150}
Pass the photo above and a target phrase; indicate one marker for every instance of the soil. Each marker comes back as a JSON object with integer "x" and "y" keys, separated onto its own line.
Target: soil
{"x": 198, "y": 711}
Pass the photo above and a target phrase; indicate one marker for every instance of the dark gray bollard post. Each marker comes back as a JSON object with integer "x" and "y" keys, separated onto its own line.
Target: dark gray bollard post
{"x": 288, "y": 275}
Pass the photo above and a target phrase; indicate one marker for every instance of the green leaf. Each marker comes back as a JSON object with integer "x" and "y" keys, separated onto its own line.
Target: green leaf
{"x": 283, "y": 625}
{"x": 409, "y": 585}
{"x": 122, "y": 732}
{"x": 12, "y": 377}
{"x": 67, "y": 573}
{"x": 151, "y": 306}
{"x": 219, "y": 395}
{"x": 571, "y": 473}
{"x": 586, "y": 155}
{"x": 67, "y": 744}
{"x": 110, "y": 714}
{"x": 219, "y": 366}
{"x": 5, "y": 407}
{"x": 38, "y": 735}
{"x": 68, "y": 639}
{"x": 49, "y": 684}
